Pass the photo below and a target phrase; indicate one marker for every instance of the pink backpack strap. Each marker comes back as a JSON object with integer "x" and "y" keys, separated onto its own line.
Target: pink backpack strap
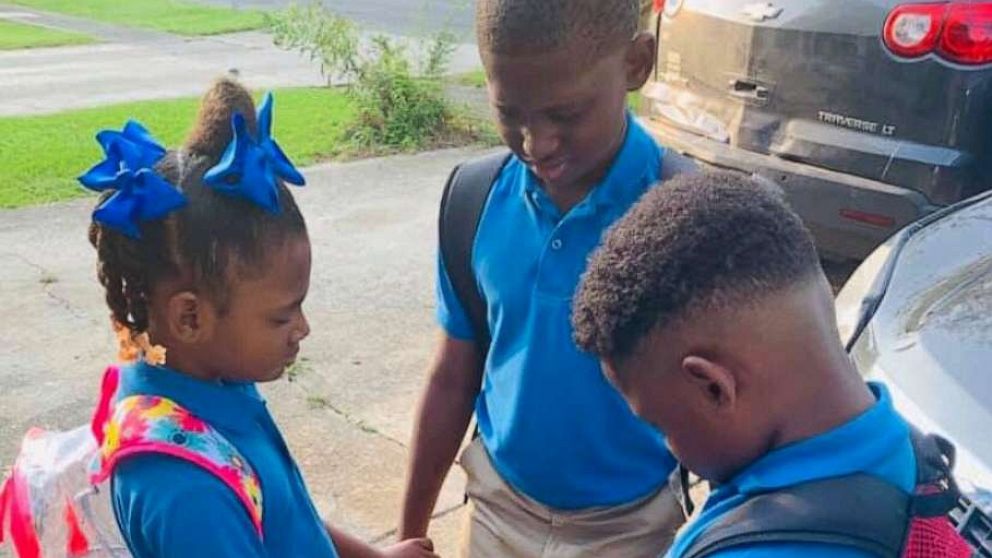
{"x": 143, "y": 424}
{"x": 108, "y": 388}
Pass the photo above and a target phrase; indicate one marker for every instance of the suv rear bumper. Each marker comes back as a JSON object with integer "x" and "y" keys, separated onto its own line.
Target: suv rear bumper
{"x": 822, "y": 197}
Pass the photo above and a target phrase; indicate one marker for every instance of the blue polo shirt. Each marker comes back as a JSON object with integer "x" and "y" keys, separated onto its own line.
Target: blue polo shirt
{"x": 552, "y": 424}
{"x": 167, "y": 507}
{"x": 877, "y": 443}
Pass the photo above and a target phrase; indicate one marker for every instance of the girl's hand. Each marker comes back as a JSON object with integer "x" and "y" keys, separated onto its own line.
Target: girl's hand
{"x": 412, "y": 548}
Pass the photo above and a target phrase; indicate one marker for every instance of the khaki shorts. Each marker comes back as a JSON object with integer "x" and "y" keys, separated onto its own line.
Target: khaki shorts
{"x": 502, "y": 523}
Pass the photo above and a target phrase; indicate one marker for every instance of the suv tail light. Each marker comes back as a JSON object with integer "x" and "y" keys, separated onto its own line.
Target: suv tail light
{"x": 670, "y": 7}
{"x": 967, "y": 36}
{"x": 958, "y": 32}
{"x": 913, "y": 30}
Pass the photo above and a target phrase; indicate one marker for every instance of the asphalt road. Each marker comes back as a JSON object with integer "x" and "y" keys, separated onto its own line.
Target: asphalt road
{"x": 137, "y": 64}
{"x": 401, "y": 17}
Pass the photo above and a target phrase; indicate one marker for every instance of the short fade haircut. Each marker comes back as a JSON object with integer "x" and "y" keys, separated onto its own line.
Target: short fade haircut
{"x": 699, "y": 242}
{"x": 512, "y": 26}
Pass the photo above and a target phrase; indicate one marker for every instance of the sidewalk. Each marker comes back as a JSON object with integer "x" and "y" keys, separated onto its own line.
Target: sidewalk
{"x": 348, "y": 412}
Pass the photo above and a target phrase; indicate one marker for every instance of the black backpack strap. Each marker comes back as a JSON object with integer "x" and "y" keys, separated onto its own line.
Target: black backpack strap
{"x": 937, "y": 492}
{"x": 824, "y": 511}
{"x": 464, "y": 199}
{"x": 859, "y": 511}
{"x": 679, "y": 481}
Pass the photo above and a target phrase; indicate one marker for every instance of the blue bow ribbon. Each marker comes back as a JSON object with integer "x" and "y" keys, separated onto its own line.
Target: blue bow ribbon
{"x": 141, "y": 195}
{"x": 250, "y": 167}
{"x": 132, "y": 149}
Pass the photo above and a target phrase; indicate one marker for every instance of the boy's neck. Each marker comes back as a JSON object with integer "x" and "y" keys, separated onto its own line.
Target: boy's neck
{"x": 840, "y": 397}
{"x": 567, "y": 196}
{"x": 817, "y": 387}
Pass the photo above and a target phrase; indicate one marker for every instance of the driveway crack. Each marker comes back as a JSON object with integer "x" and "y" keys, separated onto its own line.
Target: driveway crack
{"x": 48, "y": 280}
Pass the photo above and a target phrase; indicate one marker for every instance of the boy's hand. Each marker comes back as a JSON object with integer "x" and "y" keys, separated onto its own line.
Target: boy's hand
{"x": 412, "y": 548}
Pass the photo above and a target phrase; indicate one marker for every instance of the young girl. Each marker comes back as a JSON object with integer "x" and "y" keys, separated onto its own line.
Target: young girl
{"x": 205, "y": 260}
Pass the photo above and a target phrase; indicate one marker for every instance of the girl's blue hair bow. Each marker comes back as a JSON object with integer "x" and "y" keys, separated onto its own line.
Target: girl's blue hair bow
{"x": 250, "y": 167}
{"x": 141, "y": 195}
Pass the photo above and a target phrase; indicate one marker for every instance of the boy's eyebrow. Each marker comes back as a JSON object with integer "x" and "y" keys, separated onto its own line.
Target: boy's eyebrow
{"x": 560, "y": 107}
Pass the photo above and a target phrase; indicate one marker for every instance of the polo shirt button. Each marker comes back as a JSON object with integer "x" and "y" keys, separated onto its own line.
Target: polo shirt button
{"x": 556, "y": 244}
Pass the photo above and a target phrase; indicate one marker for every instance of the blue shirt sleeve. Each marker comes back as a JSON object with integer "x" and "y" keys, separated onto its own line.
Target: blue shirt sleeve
{"x": 791, "y": 550}
{"x": 169, "y": 508}
{"x": 451, "y": 315}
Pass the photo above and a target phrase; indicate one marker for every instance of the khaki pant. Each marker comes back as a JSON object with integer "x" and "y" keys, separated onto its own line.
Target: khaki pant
{"x": 502, "y": 523}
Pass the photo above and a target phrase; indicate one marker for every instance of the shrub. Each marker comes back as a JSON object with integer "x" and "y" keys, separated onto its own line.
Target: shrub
{"x": 400, "y": 104}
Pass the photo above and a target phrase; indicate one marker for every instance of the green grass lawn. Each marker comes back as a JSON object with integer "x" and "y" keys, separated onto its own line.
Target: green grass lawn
{"x": 475, "y": 78}
{"x": 41, "y": 156}
{"x": 21, "y": 35}
{"x": 634, "y": 100}
{"x": 172, "y": 16}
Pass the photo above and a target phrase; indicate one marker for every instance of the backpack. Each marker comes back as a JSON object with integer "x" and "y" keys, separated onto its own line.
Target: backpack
{"x": 858, "y": 511}
{"x": 56, "y": 502}
{"x": 464, "y": 199}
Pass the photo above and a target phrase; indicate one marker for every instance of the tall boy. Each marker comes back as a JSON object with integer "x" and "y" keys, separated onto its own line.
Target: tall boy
{"x": 561, "y": 467}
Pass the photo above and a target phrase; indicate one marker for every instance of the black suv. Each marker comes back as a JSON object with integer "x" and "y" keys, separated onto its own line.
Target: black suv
{"x": 870, "y": 113}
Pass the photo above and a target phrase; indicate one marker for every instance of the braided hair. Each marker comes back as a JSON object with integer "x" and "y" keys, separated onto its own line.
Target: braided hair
{"x": 211, "y": 240}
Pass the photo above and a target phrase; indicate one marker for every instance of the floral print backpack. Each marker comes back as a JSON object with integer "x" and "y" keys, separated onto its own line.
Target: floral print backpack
{"x": 56, "y": 499}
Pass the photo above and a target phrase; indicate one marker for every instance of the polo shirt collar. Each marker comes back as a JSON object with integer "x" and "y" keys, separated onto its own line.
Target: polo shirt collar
{"x": 868, "y": 438}
{"x": 624, "y": 183}
{"x": 227, "y": 405}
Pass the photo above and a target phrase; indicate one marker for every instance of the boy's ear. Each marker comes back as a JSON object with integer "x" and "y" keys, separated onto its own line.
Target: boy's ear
{"x": 640, "y": 60}
{"x": 191, "y": 318}
{"x": 717, "y": 385}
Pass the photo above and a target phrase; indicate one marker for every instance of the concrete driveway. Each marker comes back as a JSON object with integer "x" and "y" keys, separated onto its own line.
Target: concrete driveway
{"x": 347, "y": 413}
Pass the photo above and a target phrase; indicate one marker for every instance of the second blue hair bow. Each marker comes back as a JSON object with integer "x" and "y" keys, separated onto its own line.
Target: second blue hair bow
{"x": 141, "y": 194}
{"x": 250, "y": 167}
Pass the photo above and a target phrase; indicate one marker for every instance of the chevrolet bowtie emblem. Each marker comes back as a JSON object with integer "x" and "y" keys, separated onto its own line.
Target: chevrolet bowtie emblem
{"x": 761, "y": 11}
